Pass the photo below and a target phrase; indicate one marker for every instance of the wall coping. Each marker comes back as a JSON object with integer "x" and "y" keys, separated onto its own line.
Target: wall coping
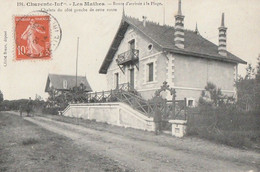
{"x": 178, "y": 121}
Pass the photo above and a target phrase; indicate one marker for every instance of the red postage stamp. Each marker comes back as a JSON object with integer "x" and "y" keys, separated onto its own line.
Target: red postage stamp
{"x": 32, "y": 37}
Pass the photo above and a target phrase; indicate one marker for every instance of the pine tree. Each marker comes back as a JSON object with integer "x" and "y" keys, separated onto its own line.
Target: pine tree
{"x": 211, "y": 96}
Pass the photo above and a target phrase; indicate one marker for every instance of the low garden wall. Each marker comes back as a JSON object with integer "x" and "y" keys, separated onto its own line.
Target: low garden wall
{"x": 118, "y": 114}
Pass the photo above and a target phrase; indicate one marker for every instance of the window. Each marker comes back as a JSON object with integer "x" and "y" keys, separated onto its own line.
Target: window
{"x": 150, "y": 72}
{"x": 132, "y": 44}
{"x": 82, "y": 86}
{"x": 116, "y": 80}
{"x": 65, "y": 84}
{"x": 150, "y": 47}
{"x": 190, "y": 102}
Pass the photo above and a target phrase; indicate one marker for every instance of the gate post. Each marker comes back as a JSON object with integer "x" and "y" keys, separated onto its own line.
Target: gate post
{"x": 178, "y": 127}
{"x": 173, "y": 92}
{"x": 185, "y": 108}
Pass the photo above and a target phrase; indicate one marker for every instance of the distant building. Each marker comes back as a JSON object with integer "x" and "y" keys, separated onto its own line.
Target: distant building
{"x": 63, "y": 83}
{"x": 146, "y": 54}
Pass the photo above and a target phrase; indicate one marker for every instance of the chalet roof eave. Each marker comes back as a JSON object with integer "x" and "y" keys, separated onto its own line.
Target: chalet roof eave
{"x": 47, "y": 84}
{"x": 103, "y": 69}
{"x": 219, "y": 58}
{"x": 112, "y": 49}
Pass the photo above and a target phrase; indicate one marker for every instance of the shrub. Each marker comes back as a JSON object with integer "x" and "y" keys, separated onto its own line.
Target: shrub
{"x": 226, "y": 125}
{"x": 51, "y": 110}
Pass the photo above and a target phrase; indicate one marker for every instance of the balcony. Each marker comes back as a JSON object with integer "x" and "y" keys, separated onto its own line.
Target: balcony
{"x": 128, "y": 57}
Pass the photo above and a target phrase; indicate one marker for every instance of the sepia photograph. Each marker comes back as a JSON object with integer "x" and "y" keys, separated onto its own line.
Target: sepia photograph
{"x": 130, "y": 85}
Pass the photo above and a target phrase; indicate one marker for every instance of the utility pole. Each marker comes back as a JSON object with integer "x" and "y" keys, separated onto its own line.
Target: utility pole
{"x": 164, "y": 13}
{"x": 77, "y": 63}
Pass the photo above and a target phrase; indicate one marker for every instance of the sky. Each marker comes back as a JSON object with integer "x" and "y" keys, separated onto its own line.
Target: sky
{"x": 23, "y": 79}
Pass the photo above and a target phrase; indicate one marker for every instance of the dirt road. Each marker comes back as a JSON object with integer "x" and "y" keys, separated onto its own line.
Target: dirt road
{"x": 143, "y": 151}
{"x": 25, "y": 146}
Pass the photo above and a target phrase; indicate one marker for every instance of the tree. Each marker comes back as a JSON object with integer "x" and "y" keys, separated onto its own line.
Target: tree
{"x": 257, "y": 84}
{"x": 258, "y": 69}
{"x": 211, "y": 96}
{"x": 53, "y": 93}
{"x": 248, "y": 88}
{"x": 61, "y": 99}
{"x": 250, "y": 71}
{"x": 1, "y": 97}
{"x": 245, "y": 93}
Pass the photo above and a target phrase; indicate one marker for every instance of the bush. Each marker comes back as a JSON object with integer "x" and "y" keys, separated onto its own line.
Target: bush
{"x": 51, "y": 110}
{"x": 226, "y": 125}
{"x": 37, "y": 105}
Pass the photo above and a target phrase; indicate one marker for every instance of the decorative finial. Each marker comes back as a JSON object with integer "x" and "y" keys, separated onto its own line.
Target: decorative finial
{"x": 123, "y": 10}
{"x": 179, "y": 8}
{"x": 222, "y": 20}
{"x": 196, "y": 29}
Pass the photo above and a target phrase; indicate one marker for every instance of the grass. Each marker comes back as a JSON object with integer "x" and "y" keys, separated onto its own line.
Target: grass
{"x": 226, "y": 126}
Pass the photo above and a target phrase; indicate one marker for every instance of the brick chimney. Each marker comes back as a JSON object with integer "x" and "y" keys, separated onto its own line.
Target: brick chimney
{"x": 179, "y": 28}
{"x": 222, "y": 47}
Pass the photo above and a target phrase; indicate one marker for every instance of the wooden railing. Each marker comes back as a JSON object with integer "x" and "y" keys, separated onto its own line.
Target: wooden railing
{"x": 126, "y": 94}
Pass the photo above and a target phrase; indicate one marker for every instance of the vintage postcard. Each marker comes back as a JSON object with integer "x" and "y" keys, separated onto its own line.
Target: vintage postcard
{"x": 178, "y": 68}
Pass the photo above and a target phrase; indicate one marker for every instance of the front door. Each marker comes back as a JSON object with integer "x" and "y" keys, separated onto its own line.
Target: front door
{"x": 132, "y": 78}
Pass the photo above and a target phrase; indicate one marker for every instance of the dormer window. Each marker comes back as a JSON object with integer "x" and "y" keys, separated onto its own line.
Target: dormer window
{"x": 65, "y": 84}
{"x": 132, "y": 44}
{"x": 82, "y": 86}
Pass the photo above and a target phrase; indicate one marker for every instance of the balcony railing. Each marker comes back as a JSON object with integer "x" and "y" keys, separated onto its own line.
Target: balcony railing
{"x": 128, "y": 57}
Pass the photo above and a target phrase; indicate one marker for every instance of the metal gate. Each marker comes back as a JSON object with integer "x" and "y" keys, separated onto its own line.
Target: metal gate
{"x": 169, "y": 109}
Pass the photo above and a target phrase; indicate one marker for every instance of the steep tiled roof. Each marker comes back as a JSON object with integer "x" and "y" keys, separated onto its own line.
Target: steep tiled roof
{"x": 163, "y": 36}
{"x": 57, "y": 81}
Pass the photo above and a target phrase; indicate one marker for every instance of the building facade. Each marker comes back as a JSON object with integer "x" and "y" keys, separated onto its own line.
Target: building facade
{"x": 146, "y": 54}
{"x": 65, "y": 83}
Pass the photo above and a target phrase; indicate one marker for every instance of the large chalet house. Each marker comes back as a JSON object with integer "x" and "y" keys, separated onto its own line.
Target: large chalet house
{"x": 146, "y": 54}
{"x": 64, "y": 83}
